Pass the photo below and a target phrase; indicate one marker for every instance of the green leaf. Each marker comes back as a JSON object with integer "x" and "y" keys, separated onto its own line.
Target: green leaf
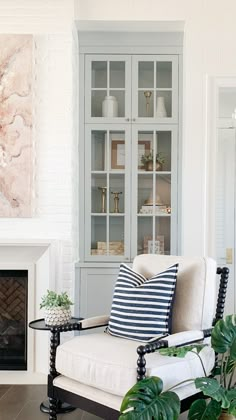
{"x": 211, "y": 388}
{"x": 223, "y": 336}
{"x": 146, "y": 401}
{"x": 200, "y": 410}
{"x": 181, "y": 351}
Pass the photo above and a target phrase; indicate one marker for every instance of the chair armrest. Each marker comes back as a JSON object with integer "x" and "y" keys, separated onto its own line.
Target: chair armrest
{"x": 178, "y": 339}
{"x": 184, "y": 337}
{"x": 94, "y": 322}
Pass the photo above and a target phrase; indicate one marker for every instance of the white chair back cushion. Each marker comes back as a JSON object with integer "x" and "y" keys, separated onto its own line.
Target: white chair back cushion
{"x": 194, "y": 304}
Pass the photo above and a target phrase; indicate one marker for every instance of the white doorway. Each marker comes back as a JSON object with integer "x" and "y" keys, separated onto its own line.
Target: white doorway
{"x": 225, "y": 195}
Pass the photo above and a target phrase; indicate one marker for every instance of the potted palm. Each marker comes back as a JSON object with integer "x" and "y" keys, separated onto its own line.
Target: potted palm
{"x": 148, "y": 160}
{"x": 57, "y": 308}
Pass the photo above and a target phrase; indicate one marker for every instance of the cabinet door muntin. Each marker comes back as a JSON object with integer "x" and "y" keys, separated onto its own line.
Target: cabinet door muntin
{"x": 154, "y": 190}
{"x": 108, "y": 97}
{"x": 107, "y": 178}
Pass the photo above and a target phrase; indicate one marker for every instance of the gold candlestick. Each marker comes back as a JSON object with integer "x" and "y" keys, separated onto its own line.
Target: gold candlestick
{"x": 147, "y": 95}
{"x": 116, "y": 201}
{"x": 103, "y": 190}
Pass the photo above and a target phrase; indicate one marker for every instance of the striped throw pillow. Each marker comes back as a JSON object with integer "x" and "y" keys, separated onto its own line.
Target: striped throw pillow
{"x": 142, "y": 308}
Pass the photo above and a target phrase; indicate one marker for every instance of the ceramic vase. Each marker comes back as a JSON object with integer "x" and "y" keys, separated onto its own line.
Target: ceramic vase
{"x": 110, "y": 107}
{"x": 57, "y": 316}
{"x": 161, "y": 109}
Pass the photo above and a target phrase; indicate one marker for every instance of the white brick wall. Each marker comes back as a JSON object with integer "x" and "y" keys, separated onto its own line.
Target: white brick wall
{"x": 55, "y": 127}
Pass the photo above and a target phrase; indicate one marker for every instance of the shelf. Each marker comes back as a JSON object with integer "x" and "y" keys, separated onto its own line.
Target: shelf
{"x": 153, "y": 214}
{"x": 154, "y": 172}
{"x": 108, "y": 214}
{"x": 141, "y": 120}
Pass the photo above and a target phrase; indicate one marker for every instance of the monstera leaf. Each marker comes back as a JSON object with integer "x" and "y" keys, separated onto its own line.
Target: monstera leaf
{"x": 181, "y": 351}
{"x": 145, "y": 401}
{"x": 211, "y": 388}
{"x": 223, "y": 336}
{"x": 200, "y": 410}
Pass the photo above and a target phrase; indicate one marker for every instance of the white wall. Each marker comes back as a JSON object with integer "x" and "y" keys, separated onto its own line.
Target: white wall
{"x": 54, "y": 110}
{"x": 208, "y": 51}
{"x": 209, "y": 34}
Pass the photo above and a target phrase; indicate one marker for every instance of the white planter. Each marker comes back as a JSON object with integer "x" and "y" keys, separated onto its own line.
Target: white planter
{"x": 110, "y": 107}
{"x": 57, "y": 316}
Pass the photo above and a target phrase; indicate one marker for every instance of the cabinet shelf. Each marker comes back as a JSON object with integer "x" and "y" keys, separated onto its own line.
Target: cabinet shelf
{"x": 146, "y": 173}
{"x": 118, "y": 133}
{"x": 109, "y": 214}
{"x": 108, "y": 171}
{"x": 153, "y": 214}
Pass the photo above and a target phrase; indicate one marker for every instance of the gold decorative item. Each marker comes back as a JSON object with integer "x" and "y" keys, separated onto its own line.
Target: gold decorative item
{"x": 147, "y": 95}
{"x": 116, "y": 201}
{"x": 103, "y": 207}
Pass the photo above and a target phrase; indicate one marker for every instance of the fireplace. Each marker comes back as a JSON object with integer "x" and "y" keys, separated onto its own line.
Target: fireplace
{"x": 13, "y": 319}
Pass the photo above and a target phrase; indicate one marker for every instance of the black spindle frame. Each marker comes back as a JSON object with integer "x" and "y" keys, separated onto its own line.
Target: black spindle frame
{"x": 56, "y": 395}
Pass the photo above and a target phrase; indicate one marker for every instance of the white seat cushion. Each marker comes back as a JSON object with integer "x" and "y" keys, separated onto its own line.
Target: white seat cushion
{"x": 109, "y": 363}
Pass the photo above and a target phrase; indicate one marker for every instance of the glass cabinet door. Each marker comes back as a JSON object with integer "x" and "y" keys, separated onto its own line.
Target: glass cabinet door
{"x": 154, "y": 190}
{"x": 108, "y": 90}
{"x": 107, "y": 193}
{"x": 155, "y": 89}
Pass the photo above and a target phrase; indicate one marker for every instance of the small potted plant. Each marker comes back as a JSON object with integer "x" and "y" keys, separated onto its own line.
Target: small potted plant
{"x": 57, "y": 308}
{"x": 148, "y": 159}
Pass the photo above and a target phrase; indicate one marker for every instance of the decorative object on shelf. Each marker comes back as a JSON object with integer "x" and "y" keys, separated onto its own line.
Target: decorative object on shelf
{"x": 149, "y": 201}
{"x": 161, "y": 109}
{"x": 116, "y": 201}
{"x": 168, "y": 209}
{"x": 110, "y": 107}
{"x": 158, "y": 209}
{"x": 143, "y": 149}
{"x": 103, "y": 191}
{"x": 147, "y": 95}
{"x": 57, "y": 308}
{"x": 115, "y": 248}
{"x": 118, "y": 154}
{"x": 147, "y": 160}
{"x": 151, "y": 246}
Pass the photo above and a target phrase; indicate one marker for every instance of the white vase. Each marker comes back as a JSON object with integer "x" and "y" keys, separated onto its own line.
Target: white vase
{"x": 57, "y": 316}
{"x": 161, "y": 109}
{"x": 110, "y": 107}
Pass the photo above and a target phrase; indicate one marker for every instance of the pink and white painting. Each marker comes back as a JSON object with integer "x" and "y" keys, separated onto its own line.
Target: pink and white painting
{"x": 15, "y": 125}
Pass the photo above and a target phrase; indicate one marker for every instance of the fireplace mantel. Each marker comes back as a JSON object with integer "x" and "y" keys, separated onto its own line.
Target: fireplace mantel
{"x": 41, "y": 259}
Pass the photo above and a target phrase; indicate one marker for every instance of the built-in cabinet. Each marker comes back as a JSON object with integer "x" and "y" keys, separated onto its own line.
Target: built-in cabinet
{"x": 130, "y": 163}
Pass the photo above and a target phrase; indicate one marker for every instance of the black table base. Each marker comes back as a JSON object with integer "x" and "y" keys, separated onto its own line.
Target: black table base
{"x": 61, "y": 408}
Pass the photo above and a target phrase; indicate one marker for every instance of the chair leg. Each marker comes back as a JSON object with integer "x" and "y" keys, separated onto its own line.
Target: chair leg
{"x": 52, "y": 409}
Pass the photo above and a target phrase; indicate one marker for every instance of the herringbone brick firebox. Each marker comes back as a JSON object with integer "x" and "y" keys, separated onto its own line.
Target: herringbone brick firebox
{"x": 13, "y": 319}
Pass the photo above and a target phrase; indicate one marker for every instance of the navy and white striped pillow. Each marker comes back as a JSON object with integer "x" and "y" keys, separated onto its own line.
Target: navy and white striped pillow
{"x": 142, "y": 308}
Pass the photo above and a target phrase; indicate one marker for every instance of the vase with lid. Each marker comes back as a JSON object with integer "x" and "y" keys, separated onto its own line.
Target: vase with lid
{"x": 110, "y": 107}
{"x": 161, "y": 109}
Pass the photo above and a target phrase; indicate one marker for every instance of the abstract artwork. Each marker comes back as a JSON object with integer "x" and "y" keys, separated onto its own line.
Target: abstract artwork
{"x": 15, "y": 125}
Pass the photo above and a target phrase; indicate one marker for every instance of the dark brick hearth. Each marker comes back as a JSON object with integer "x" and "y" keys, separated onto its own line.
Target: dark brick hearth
{"x": 13, "y": 319}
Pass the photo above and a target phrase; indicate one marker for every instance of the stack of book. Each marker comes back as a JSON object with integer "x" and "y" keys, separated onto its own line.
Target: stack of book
{"x": 115, "y": 248}
{"x": 150, "y": 209}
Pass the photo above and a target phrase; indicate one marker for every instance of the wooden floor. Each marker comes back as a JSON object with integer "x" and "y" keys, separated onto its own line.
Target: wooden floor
{"x": 21, "y": 402}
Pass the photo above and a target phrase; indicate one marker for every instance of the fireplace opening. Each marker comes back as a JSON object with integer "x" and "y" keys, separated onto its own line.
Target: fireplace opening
{"x": 13, "y": 319}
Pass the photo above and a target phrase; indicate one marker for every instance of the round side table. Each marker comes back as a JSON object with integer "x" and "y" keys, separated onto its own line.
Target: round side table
{"x": 39, "y": 324}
